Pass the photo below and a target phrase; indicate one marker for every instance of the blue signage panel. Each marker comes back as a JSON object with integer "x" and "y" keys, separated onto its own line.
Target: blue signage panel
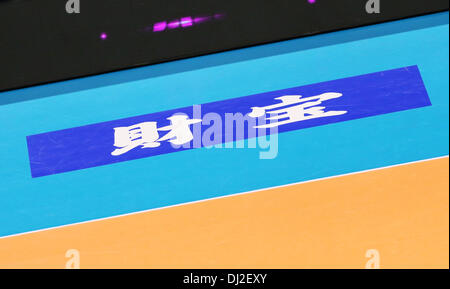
{"x": 222, "y": 121}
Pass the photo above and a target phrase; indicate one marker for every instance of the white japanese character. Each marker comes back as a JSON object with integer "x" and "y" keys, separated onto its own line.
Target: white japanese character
{"x": 306, "y": 109}
{"x": 180, "y": 133}
{"x": 146, "y": 134}
{"x": 127, "y": 138}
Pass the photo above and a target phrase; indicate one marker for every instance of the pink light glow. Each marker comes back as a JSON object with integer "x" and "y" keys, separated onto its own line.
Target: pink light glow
{"x": 160, "y": 26}
{"x": 186, "y": 21}
{"x": 173, "y": 24}
{"x": 202, "y": 19}
{"x": 103, "y": 36}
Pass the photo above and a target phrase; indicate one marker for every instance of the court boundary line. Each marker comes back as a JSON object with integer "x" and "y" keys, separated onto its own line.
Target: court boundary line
{"x": 221, "y": 197}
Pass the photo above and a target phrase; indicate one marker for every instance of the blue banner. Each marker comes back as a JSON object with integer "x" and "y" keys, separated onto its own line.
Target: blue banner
{"x": 226, "y": 121}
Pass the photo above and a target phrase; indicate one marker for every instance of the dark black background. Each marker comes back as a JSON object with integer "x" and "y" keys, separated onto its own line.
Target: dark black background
{"x": 40, "y": 42}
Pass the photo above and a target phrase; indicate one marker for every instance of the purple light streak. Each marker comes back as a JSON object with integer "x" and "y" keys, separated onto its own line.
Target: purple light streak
{"x": 160, "y": 26}
{"x": 202, "y": 19}
{"x": 184, "y": 22}
{"x": 103, "y": 36}
{"x": 174, "y": 24}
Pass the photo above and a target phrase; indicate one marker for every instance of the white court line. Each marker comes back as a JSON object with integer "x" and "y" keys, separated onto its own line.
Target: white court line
{"x": 221, "y": 197}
